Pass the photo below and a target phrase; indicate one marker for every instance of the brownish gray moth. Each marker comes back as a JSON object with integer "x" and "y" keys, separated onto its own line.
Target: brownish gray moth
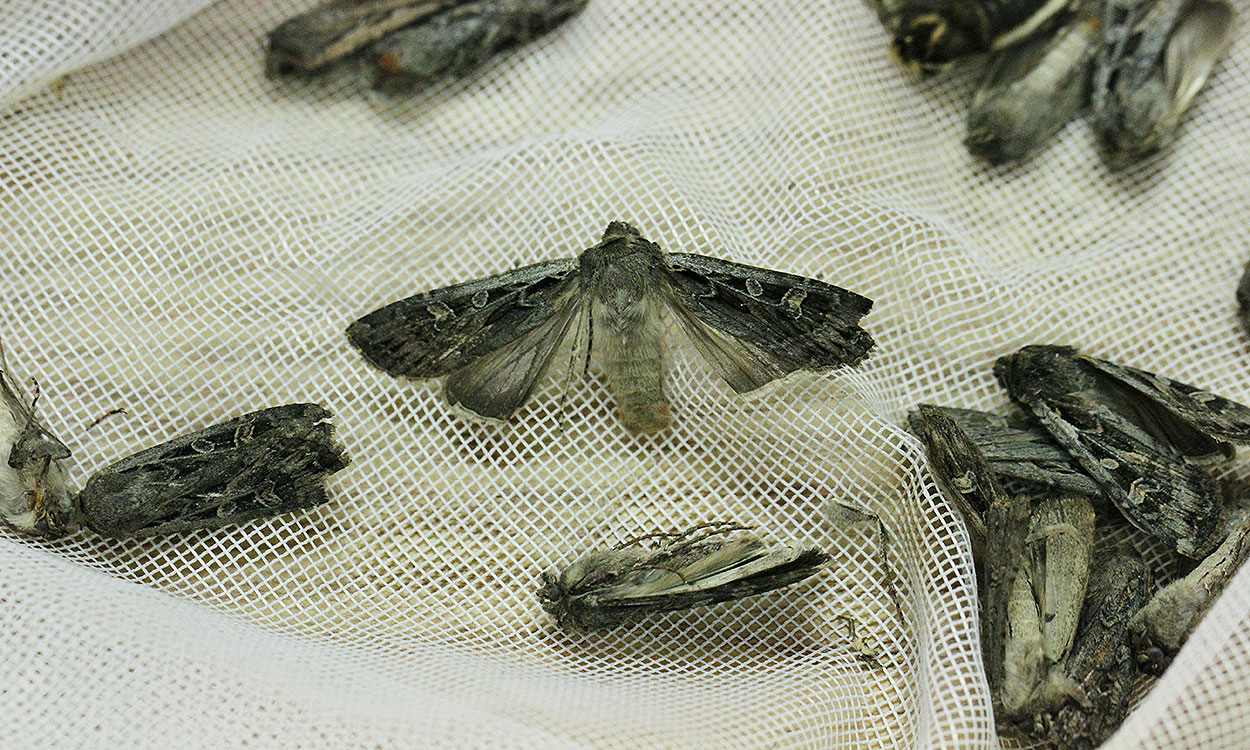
{"x": 1141, "y": 437}
{"x": 1035, "y": 88}
{"x": 1155, "y": 59}
{"x": 707, "y": 564}
{"x": 929, "y": 35}
{"x": 34, "y": 495}
{"x": 494, "y": 338}
{"x": 261, "y": 464}
{"x": 406, "y": 45}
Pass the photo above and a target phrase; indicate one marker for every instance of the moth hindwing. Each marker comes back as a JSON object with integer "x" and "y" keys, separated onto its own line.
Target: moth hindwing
{"x": 334, "y": 30}
{"x": 405, "y": 45}
{"x": 34, "y": 494}
{"x": 462, "y": 40}
{"x": 1138, "y": 435}
{"x": 260, "y": 464}
{"x": 664, "y": 572}
{"x": 495, "y": 337}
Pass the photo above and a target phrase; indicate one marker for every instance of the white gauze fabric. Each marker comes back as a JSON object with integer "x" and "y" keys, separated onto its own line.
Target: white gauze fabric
{"x": 187, "y": 240}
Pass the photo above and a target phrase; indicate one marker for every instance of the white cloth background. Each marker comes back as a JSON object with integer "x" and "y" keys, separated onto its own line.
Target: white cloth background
{"x": 185, "y": 239}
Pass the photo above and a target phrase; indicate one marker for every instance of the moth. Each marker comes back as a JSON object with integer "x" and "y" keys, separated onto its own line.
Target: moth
{"x": 1032, "y": 90}
{"x": 998, "y": 525}
{"x": 1156, "y": 57}
{"x": 494, "y": 338}
{"x": 1018, "y": 451}
{"x": 332, "y": 31}
{"x": 929, "y": 35}
{"x": 959, "y": 467}
{"x": 462, "y": 40}
{"x": 1143, "y": 438}
{"x": 405, "y": 45}
{"x": 1161, "y": 627}
{"x": 261, "y": 464}
{"x": 1045, "y": 607}
{"x": 663, "y": 572}
{"x": 34, "y": 494}
{"x": 1101, "y": 664}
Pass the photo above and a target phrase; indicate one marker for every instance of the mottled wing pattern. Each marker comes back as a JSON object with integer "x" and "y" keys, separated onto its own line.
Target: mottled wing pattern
{"x": 260, "y": 464}
{"x": 1180, "y": 413}
{"x": 1168, "y": 498}
{"x": 754, "y": 325}
{"x": 495, "y": 337}
{"x": 1021, "y": 452}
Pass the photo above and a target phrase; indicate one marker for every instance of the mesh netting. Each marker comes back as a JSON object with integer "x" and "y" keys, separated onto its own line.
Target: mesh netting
{"x": 187, "y": 240}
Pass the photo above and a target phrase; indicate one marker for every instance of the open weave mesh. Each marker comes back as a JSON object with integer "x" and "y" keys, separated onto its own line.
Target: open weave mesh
{"x": 187, "y": 240}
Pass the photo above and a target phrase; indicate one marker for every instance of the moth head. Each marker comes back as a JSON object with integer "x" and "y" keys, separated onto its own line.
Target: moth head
{"x": 927, "y": 43}
{"x": 551, "y": 595}
{"x": 1040, "y": 372}
{"x": 619, "y": 229}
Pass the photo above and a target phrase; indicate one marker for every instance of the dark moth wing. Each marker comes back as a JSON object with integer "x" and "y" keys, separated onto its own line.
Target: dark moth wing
{"x": 614, "y": 587}
{"x": 754, "y": 325}
{"x": 1169, "y": 401}
{"x": 1131, "y": 445}
{"x": 495, "y": 336}
{"x": 260, "y": 464}
{"x": 1018, "y": 451}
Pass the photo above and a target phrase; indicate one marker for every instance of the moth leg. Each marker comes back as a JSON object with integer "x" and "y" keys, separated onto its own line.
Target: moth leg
{"x": 870, "y": 655}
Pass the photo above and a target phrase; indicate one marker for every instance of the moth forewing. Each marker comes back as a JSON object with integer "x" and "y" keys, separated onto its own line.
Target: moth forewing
{"x": 462, "y": 40}
{"x": 930, "y": 35}
{"x": 1033, "y": 90}
{"x": 261, "y": 464}
{"x": 609, "y": 588}
{"x": 1023, "y": 660}
{"x": 1158, "y": 55}
{"x": 1243, "y": 299}
{"x": 1006, "y": 534}
{"x": 1021, "y": 452}
{"x": 1061, "y": 543}
{"x": 1134, "y": 433}
{"x": 1161, "y": 627}
{"x": 334, "y": 30}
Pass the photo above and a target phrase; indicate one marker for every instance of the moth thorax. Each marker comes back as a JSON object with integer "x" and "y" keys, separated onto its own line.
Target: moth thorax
{"x": 631, "y": 352}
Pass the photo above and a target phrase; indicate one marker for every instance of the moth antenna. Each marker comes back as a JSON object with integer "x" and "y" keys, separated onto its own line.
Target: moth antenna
{"x": 104, "y": 416}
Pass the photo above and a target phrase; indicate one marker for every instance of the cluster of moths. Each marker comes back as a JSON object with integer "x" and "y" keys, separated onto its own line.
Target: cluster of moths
{"x": 261, "y": 464}
{"x": 1134, "y": 65}
{"x": 1069, "y": 616}
{"x": 404, "y": 46}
